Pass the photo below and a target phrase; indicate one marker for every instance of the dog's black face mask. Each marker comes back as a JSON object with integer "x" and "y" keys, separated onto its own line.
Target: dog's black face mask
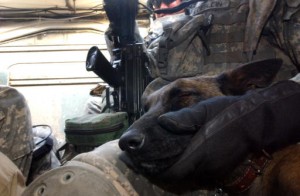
{"x": 156, "y": 152}
{"x": 150, "y": 148}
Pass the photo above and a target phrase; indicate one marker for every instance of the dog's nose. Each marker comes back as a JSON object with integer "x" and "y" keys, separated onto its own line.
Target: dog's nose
{"x": 131, "y": 141}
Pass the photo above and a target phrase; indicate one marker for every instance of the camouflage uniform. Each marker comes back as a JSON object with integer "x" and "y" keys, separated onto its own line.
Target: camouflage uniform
{"x": 222, "y": 46}
{"x": 99, "y": 172}
{"x": 286, "y": 25}
{"x": 16, "y": 139}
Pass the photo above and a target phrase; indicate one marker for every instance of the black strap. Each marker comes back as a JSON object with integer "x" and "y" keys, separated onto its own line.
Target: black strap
{"x": 164, "y": 47}
{"x": 44, "y": 148}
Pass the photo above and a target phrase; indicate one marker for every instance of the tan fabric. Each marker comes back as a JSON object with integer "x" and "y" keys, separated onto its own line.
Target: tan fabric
{"x": 111, "y": 175}
{"x": 12, "y": 182}
{"x": 107, "y": 159}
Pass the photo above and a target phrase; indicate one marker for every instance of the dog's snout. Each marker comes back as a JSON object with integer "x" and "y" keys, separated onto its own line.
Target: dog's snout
{"x": 131, "y": 141}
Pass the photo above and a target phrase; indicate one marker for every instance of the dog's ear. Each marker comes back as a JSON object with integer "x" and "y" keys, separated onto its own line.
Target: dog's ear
{"x": 154, "y": 86}
{"x": 257, "y": 74}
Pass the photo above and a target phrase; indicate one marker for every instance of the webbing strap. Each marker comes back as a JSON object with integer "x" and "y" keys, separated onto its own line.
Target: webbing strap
{"x": 164, "y": 46}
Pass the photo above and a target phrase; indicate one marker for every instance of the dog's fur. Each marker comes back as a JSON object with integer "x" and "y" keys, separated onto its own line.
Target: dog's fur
{"x": 160, "y": 148}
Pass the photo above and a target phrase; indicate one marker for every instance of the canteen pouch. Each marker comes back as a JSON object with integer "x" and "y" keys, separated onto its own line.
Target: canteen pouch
{"x": 93, "y": 130}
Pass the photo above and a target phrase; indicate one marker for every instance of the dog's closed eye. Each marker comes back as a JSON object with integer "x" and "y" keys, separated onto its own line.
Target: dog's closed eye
{"x": 183, "y": 98}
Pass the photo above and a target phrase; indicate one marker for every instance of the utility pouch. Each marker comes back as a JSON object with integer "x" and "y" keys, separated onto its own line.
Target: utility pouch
{"x": 174, "y": 48}
{"x": 89, "y": 131}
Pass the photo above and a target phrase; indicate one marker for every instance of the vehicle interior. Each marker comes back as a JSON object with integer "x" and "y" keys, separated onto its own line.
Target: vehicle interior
{"x": 43, "y": 50}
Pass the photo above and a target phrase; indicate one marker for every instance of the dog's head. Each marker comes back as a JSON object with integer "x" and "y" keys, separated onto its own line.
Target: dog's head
{"x": 151, "y": 148}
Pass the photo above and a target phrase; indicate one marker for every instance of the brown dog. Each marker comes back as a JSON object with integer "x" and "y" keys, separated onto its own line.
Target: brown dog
{"x": 153, "y": 149}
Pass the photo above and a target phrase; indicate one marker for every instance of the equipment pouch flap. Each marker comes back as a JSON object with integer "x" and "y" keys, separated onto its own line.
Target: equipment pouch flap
{"x": 191, "y": 27}
{"x": 183, "y": 28}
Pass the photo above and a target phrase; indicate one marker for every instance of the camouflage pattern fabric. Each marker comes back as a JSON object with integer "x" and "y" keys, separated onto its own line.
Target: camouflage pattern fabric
{"x": 284, "y": 25}
{"x": 107, "y": 159}
{"x": 106, "y": 164}
{"x": 259, "y": 13}
{"x": 225, "y": 40}
{"x": 174, "y": 49}
{"x": 16, "y": 139}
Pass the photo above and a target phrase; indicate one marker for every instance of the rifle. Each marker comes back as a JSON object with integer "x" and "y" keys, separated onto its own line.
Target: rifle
{"x": 127, "y": 73}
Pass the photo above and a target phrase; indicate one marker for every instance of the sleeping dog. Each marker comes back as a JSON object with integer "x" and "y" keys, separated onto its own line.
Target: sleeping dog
{"x": 152, "y": 149}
